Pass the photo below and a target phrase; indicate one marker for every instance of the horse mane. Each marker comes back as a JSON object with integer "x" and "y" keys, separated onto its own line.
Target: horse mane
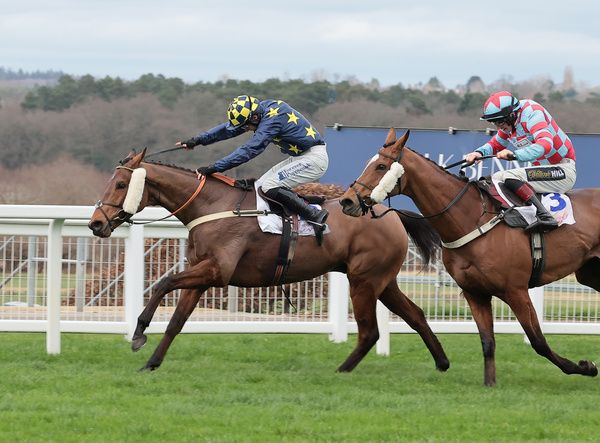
{"x": 462, "y": 178}
{"x": 170, "y": 165}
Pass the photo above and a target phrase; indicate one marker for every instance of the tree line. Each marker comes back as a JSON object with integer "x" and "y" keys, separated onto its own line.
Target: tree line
{"x": 20, "y": 74}
{"x": 308, "y": 96}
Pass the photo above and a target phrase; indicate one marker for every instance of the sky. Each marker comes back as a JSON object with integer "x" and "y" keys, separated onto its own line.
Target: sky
{"x": 392, "y": 41}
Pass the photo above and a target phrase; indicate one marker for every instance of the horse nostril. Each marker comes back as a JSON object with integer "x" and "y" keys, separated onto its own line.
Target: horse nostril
{"x": 95, "y": 225}
{"x": 346, "y": 202}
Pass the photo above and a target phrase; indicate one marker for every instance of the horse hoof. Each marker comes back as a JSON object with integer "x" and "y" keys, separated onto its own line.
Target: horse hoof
{"x": 589, "y": 368}
{"x": 138, "y": 342}
{"x": 148, "y": 367}
{"x": 443, "y": 366}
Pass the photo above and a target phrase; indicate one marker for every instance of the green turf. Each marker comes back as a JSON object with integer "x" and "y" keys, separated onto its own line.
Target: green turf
{"x": 272, "y": 388}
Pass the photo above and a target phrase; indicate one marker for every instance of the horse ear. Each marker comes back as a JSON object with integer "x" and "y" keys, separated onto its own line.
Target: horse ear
{"x": 136, "y": 159}
{"x": 402, "y": 140}
{"x": 391, "y": 137}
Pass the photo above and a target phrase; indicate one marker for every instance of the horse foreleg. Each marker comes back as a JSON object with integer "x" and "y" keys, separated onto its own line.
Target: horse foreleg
{"x": 397, "y": 302}
{"x": 481, "y": 309}
{"x": 364, "y": 303}
{"x": 525, "y": 312}
{"x": 185, "y": 306}
{"x": 204, "y": 274}
{"x": 139, "y": 338}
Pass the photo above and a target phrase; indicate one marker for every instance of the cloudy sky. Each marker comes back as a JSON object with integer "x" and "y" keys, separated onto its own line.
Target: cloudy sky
{"x": 393, "y": 41}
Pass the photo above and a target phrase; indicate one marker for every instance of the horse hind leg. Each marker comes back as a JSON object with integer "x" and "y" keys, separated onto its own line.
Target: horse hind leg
{"x": 525, "y": 312}
{"x": 589, "y": 273}
{"x": 397, "y": 302}
{"x": 364, "y": 302}
{"x": 185, "y": 306}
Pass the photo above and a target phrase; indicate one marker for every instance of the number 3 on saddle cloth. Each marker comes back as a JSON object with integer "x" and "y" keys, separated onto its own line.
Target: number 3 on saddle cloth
{"x": 517, "y": 215}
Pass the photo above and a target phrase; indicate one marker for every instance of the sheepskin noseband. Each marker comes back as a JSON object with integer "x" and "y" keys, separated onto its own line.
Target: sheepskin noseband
{"x": 387, "y": 182}
{"x": 135, "y": 191}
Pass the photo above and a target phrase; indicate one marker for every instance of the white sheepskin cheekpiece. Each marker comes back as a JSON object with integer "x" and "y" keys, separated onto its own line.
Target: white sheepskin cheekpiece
{"x": 135, "y": 191}
{"x": 388, "y": 182}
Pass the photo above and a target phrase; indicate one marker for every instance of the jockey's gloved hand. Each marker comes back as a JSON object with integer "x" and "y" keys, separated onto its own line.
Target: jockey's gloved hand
{"x": 206, "y": 170}
{"x": 189, "y": 144}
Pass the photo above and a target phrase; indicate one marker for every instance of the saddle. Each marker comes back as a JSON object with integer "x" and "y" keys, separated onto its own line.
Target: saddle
{"x": 507, "y": 203}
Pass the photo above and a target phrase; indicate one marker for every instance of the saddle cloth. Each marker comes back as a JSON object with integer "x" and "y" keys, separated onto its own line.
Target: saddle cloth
{"x": 559, "y": 205}
{"x": 272, "y": 223}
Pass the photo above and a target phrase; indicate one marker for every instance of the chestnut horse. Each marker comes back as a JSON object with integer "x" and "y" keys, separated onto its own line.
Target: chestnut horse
{"x": 496, "y": 264}
{"x": 235, "y": 251}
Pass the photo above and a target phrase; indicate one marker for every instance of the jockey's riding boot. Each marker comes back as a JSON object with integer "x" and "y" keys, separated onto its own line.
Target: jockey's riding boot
{"x": 293, "y": 202}
{"x": 545, "y": 221}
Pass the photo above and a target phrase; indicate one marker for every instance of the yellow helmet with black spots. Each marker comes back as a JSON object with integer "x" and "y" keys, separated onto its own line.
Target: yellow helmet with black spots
{"x": 241, "y": 109}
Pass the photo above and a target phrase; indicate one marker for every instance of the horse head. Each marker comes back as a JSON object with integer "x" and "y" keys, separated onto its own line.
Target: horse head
{"x": 124, "y": 196}
{"x": 380, "y": 178}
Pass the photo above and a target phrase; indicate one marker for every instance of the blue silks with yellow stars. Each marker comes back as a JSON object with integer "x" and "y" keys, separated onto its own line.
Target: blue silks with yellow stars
{"x": 280, "y": 124}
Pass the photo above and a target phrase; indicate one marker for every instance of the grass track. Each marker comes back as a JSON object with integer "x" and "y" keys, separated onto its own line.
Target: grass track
{"x": 263, "y": 388}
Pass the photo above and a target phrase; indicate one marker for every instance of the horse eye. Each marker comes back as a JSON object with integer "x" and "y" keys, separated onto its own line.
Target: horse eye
{"x": 121, "y": 185}
{"x": 381, "y": 167}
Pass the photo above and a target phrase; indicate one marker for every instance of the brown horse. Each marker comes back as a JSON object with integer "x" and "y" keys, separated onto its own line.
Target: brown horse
{"x": 497, "y": 263}
{"x": 235, "y": 251}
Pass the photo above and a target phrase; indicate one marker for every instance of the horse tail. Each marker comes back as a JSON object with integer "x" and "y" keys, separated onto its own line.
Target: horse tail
{"x": 422, "y": 234}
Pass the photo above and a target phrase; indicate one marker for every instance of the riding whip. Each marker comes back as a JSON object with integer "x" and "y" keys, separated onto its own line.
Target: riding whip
{"x": 176, "y": 148}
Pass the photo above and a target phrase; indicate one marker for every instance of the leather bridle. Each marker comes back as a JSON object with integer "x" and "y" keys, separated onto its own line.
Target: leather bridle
{"x": 121, "y": 216}
{"x": 125, "y": 217}
{"x": 364, "y": 206}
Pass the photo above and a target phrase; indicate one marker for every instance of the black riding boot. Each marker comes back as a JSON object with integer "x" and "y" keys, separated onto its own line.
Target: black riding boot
{"x": 292, "y": 201}
{"x": 545, "y": 221}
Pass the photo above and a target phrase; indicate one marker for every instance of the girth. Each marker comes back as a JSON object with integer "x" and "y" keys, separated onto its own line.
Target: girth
{"x": 289, "y": 238}
{"x": 537, "y": 258}
{"x": 287, "y": 247}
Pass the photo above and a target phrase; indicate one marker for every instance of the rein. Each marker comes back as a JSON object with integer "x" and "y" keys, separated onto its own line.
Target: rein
{"x": 477, "y": 232}
{"x": 448, "y": 206}
{"x": 202, "y": 179}
{"x": 369, "y": 207}
{"x": 463, "y": 161}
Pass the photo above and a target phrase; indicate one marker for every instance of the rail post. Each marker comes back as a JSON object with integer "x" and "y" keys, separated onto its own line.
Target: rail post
{"x": 383, "y": 324}
{"x": 54, "y": 277}
{"x": 133, "y": 297}
{"x": 31, "y": 269}
{"x": 80, "y": 265}
{"x": 338, "y": 290}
